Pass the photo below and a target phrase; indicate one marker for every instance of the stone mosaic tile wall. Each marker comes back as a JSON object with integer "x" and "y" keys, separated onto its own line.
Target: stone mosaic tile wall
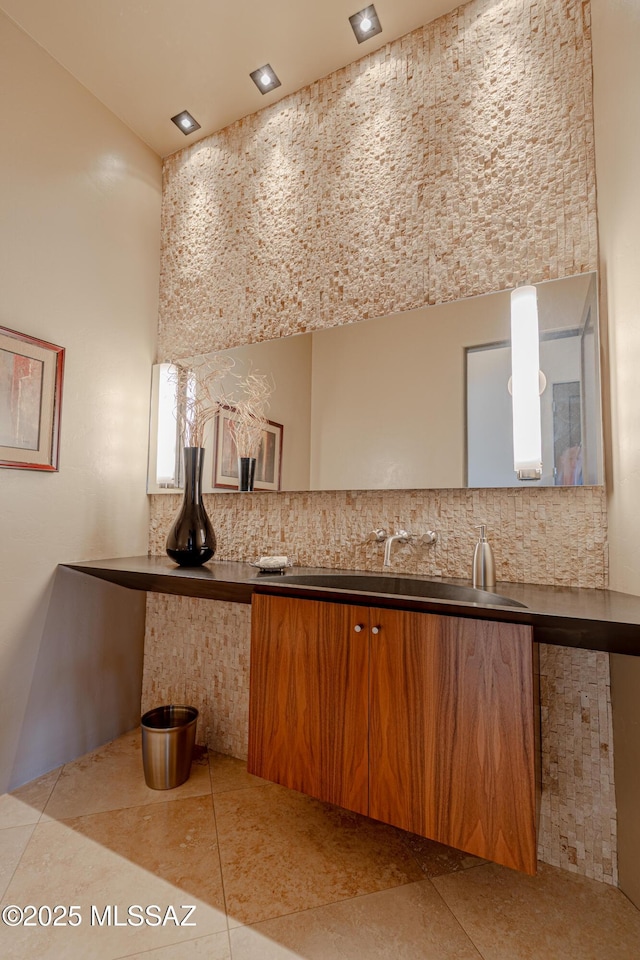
{"x": 549, "y": 535}
{"x": 578, "y": 810}
{"x": 197, "y": 652}
{"x": 455, "y": 161}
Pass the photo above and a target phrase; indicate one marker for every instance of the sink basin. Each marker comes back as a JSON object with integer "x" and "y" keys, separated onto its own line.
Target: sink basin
{"x": 399, "y": 586}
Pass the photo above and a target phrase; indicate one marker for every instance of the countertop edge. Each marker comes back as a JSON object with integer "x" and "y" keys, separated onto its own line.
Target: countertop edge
{"x": 236, "y": 582}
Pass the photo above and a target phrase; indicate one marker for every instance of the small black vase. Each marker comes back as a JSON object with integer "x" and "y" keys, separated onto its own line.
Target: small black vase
{"x": 246, "y": 473}
{"x": 191, "y": 541}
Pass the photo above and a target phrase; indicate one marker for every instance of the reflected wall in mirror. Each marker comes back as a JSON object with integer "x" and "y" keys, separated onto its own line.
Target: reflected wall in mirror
{"x": 570, "y": 399}
{"x": 419, "y": 400}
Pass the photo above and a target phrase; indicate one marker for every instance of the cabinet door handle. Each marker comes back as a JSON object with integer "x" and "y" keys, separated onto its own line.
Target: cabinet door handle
{"x": 358, "y": 627}
{"x": 375, "y": 629}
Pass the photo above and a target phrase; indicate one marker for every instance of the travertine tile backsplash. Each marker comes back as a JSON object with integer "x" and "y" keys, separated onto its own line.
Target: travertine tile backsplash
{"x": 549, "y": 535}
{"x": 455, "y": 161}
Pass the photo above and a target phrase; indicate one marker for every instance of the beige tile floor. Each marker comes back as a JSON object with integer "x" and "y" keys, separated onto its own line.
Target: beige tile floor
{"x": 272, "y": 874}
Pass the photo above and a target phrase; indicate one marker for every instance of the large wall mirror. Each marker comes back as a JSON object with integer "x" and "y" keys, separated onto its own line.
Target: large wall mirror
{"x": 421, "y": 400}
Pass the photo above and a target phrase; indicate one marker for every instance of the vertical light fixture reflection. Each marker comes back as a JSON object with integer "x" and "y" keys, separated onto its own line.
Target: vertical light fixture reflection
{"x": 525, "y": 384}
{"x": 167, "y": 425}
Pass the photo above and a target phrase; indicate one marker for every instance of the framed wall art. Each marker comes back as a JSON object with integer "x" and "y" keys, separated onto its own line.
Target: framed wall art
{"x": 225, "y": 461}
{"x": 31, "y": 372}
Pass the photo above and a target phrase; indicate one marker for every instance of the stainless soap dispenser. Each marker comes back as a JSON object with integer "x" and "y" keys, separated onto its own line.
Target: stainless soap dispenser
{"x": 484, "y": 567}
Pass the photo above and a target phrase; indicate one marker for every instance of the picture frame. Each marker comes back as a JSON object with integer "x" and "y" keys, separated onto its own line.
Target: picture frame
{"x": 31, "y": 375}
{"x": 268, "y": 475}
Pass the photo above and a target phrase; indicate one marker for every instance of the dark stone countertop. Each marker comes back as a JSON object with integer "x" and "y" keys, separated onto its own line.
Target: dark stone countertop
{"x": 566, "y": 616}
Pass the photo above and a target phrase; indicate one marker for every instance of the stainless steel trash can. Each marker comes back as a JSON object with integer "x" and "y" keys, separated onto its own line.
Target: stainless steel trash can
{"x": 168, "y": 737}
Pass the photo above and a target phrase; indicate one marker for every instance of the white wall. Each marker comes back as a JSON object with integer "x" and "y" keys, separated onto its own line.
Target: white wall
{"x": 79, "y": 250}
{"x": 616, "y": 42}
{"x": 378, "y": 420}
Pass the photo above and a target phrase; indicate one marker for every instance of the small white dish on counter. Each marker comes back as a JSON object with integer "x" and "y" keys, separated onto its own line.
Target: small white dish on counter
{"x": 272, "y": 564}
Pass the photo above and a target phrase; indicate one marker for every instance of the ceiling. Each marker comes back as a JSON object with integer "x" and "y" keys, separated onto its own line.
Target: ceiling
{"x": 147, "y": 60}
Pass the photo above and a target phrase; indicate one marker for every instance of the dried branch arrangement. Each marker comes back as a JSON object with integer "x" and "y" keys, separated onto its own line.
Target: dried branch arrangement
{"x": 251, "y": 413}
{"x": 200, "y": 394}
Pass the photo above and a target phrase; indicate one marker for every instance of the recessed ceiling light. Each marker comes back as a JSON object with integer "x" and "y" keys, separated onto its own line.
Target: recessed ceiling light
{"x": 185, "y": 122}
{"x": 265, "y": 78}
{"x": 365, "y": 23}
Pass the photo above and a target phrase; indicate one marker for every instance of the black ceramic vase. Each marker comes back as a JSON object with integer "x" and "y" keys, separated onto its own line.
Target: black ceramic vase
{"x": 191, "y": 541}
{"x": 246, "y": 473}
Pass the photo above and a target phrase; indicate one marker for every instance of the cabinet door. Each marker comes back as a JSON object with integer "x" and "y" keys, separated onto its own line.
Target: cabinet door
{"x": 308, "y": 700}
{"x": 452, "y": 733}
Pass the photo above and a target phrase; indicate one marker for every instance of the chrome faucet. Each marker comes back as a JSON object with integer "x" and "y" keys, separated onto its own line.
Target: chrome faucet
{"x": 402, "y": 536}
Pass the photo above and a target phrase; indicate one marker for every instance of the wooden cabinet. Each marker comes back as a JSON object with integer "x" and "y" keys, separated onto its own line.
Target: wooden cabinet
{"x": 452, "y": 733}
{"x": 423, "y": 721}
{"x": 308, "y": 698}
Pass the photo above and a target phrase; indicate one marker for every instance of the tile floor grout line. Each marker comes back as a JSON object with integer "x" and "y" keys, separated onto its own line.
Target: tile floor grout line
{"x": 53, "y": 787}
{"x": 168, "y": 946}
{"x": 256, "y": 786}
{"x": 414, "y": 856}
{"x": 133, "y": 806}
{"x": 128, "y": 806}
{"x": 16, "y": 826}
{"x": 15, "y": 869}
{"x": 294, "y": 913}
{"x": 100, "y": 750}
{"x": 215, "y": 824}
{"x": 33, "y": 825}
{"x": 224, "y": 793}
{"x": 457, "y": 921}
{"x": 328, "y": 903}
{"x": 445, "y": 873}
{"x": 30, "y": 782}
